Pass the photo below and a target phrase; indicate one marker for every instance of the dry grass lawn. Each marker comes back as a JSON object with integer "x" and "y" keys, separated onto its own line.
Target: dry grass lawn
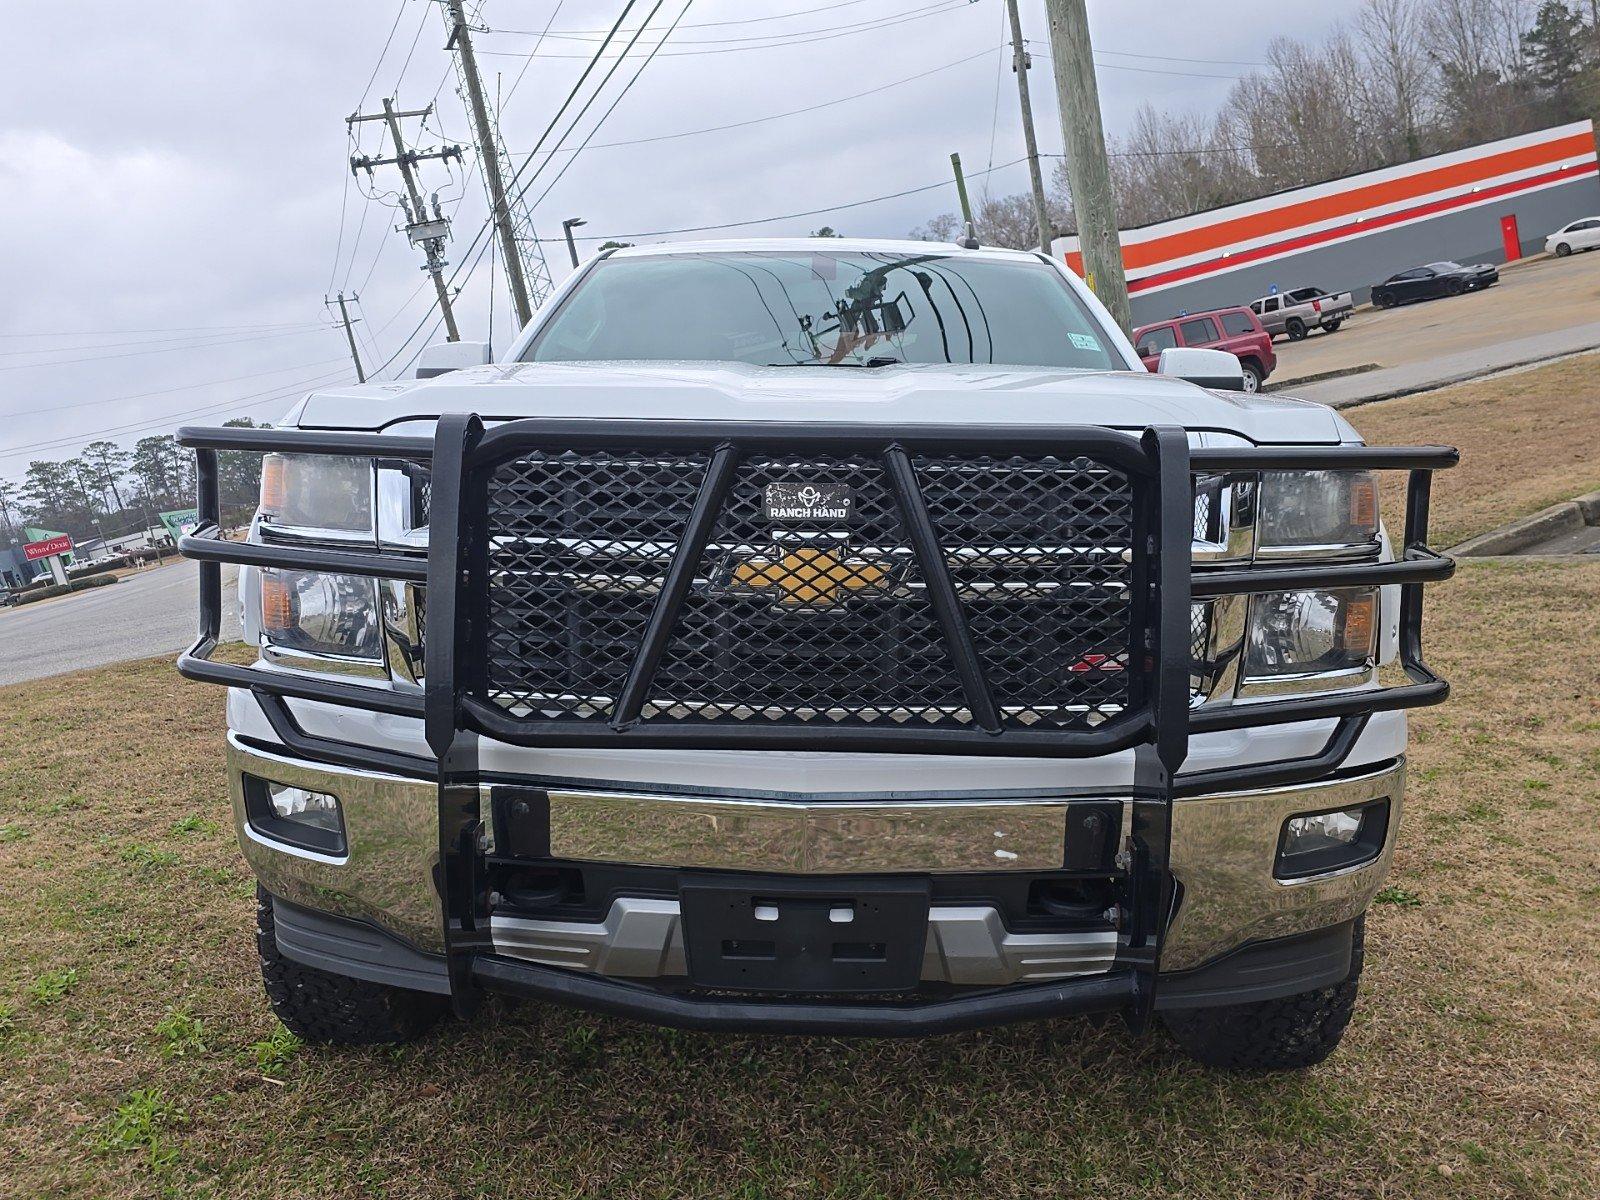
{"x": 1527, "y": 441}
{"x": 138, "y": 1057}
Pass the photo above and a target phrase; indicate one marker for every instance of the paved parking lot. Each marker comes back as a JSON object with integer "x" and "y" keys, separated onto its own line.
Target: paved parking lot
{"x": 151, "y": 612}
{"x": 1541, "y": 309}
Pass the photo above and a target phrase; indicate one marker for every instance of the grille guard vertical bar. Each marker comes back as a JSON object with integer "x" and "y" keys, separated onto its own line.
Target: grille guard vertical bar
{"x": 454, "y": 550}
{"x": 675, "y": 588}
{"x": 942, "y": 596}
{"x": 1156, "y": 764}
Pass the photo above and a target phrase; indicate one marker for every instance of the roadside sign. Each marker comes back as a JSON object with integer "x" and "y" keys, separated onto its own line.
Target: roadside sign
{"x": 180, "y": 521}
{"x": 49, "y": 548}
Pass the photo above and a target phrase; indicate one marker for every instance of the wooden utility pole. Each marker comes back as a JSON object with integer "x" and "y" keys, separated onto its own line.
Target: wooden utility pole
{"x": 1088, "y": 172}
{"x": 430, "y": 233}
{"x": 349, "y": 332}
{"x": 489, "y": 156}
{"x": 1021, "y": 60}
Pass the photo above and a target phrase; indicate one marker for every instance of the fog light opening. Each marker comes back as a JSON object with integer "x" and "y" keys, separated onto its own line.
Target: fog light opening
{"x": 294, "y": 815}
{"x": 1333, "y": 840}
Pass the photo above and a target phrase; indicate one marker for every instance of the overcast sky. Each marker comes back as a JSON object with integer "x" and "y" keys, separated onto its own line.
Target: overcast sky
{"x": 172, "y": 177}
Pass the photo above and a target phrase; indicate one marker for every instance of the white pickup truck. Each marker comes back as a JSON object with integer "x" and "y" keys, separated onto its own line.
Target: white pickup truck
{"x": 1298, "y": 311}
{"x": 820, "y": 636}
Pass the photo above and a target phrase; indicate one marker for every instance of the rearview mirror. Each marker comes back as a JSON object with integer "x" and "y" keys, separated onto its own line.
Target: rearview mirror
{"x": 451, "y": 356}
{"x": 1209, "y": 368}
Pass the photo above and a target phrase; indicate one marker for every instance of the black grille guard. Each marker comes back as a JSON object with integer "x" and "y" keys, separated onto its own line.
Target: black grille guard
{"x": 1159, "y": 465}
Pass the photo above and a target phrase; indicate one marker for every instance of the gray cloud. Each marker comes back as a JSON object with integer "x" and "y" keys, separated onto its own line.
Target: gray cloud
{"x": 183, "y": 168}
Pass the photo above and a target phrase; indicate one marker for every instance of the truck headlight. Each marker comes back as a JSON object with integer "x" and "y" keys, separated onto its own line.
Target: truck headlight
{"x": 329, "y": 616}
{"x": 317, "y": 496}
{"x": 1310, "y": 641}
{"x": 1317, "y": 512}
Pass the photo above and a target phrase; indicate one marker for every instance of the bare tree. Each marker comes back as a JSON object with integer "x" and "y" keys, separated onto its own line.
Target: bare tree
{"x": 1398, "y": 73}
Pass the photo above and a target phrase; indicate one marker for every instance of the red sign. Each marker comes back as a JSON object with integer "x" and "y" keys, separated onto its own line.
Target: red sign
{"x": 61, "y": 544}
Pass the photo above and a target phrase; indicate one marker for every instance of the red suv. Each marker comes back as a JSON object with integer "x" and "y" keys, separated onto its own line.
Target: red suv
{"x": 1236, "y": 330}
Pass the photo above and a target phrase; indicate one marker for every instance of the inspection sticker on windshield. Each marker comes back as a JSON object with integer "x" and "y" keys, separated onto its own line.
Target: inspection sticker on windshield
{"x": 806, "y": 502}
{"x": 1084, "y": 341}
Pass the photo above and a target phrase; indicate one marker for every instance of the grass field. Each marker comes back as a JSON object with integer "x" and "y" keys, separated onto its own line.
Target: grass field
{"x": 138, "y": 1058}
{"x": 1527, "y": 441}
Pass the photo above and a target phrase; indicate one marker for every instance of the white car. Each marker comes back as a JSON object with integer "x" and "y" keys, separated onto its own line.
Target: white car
{"x": 820, "y": 636}
{"x": 1582, "y": 234}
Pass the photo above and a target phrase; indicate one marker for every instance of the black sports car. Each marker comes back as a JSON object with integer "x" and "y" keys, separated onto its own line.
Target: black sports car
{"x": 1434, "y": 280}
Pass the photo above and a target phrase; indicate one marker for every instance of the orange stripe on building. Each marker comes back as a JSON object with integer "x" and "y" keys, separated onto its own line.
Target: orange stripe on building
{"x": 1277, "y": 221}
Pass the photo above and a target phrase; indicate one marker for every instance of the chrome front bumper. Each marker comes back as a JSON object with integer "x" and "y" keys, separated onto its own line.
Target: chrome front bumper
{"x": 1223, "y": 852}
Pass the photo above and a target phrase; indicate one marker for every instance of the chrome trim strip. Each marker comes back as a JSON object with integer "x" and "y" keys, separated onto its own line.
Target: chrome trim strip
{"x": 644, "y": 829}
{"x": 643, "y": 939}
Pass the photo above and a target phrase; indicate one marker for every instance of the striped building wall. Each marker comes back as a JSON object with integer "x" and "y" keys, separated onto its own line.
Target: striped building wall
{"x": 1351, "y": 233}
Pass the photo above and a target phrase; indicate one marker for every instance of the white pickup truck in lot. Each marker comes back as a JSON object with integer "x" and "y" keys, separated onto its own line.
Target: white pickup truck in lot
{"x": 1298, "y": 311}
{"x": 820, "y": 636}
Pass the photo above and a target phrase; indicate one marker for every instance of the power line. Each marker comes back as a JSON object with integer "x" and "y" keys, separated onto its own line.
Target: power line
{"x": 1216, "y": 62}
{"x": 799, "y": 40}
{"x": 196, "y": 341}
{"x": 162, "y": 391}
{"x": 605, "y": 116}
{"x": 857, "y": 27}
{"x": 382, "y": 54}
{"x": 813, "y": 212}
{"x": 793, "y": 112}
{"x": 805, "y": 12}
{"x": 64, "y": 362}
{"x": 86, "y": 436}
{"x": 170, "y": 329}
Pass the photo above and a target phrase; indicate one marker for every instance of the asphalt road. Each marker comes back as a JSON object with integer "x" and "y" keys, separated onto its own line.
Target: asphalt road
{"x": 147, "y": 613}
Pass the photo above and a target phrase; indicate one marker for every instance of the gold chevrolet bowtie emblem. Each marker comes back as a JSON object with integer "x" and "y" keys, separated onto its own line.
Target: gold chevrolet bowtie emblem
{"x": 809, "y": 575}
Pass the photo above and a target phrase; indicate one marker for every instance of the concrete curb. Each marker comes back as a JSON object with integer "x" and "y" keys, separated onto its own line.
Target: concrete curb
{"x": 1532, "y": 529}
{"x": 1447, "y": 381}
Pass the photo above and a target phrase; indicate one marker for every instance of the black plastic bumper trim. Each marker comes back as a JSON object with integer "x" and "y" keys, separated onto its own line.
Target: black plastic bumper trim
{"x": 1263, "y": 971}
{"x": 356, "y": 949}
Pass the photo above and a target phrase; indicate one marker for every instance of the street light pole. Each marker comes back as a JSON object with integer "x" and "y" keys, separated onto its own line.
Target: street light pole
{"x": 567, "y": 227}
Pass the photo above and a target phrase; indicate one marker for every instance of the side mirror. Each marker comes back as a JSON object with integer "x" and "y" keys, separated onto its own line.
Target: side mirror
{"x": 1209, "y": 368}
{"x": 451, "y": 356}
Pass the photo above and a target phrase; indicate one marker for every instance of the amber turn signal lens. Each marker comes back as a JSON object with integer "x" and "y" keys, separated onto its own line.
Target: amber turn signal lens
{"x": 1360, "y": 620}
{"x": 1364, "y": 502}
{"x": 274, "y": 483}
{"x": 277, "y": 603}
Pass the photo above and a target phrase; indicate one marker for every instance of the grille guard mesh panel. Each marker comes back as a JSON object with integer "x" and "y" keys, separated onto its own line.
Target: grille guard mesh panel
{"x": 811, "y": 619}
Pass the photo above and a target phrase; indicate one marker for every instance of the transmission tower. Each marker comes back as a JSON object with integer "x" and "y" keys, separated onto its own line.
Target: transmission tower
{"x": 430, "y": 230}
{"x": 527, "y": 273}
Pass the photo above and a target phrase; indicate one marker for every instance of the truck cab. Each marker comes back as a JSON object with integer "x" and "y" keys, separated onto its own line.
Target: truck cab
{"x": 820, "y": 636}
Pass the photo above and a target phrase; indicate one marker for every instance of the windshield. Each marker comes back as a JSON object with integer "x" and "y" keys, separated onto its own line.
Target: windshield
{"x": 825, "y": 309}
{"x": 1444, "y": 268}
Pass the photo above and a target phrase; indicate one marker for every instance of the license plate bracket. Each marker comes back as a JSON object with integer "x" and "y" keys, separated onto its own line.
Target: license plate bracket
{"x": 805, "y": 935}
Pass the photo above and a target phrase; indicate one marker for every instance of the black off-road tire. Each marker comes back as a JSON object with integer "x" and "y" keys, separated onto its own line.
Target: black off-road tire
{"x": 1296, "y": 329}
{"x": 320, "y": 1006}
{"x": 1289, "y": 1034}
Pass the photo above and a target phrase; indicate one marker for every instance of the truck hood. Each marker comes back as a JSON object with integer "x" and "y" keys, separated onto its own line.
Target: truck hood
{"x": 912, "y": 394}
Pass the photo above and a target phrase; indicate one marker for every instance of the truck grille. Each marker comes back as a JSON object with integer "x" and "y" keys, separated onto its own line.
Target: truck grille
{"x": 809, "y": 615}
